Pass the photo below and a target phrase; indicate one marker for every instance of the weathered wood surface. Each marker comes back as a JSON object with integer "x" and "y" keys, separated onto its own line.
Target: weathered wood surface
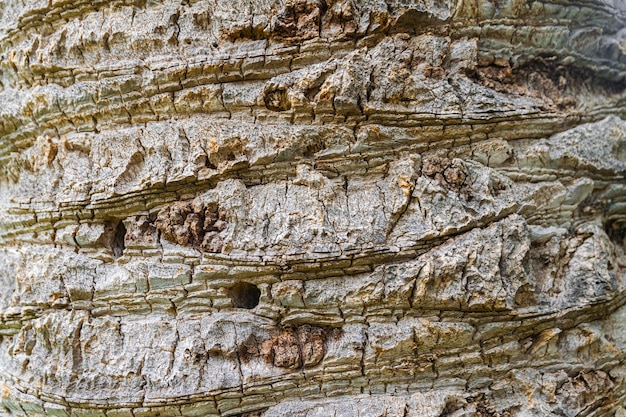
{"x": 312, "y": 208}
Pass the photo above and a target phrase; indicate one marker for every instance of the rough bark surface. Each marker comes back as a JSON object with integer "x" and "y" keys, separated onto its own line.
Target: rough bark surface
{"x": 312, "y": 208}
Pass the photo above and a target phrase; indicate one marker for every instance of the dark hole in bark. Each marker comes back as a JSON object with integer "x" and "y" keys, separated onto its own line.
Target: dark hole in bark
{"x": 277, "y": 99}
{"x": 312, "y": 148}
{"x": 209, "y": 164}
{"x": 117, "y": 245}
{"x": 452, "y": 406}
{"x": 413, "y": 20}
{"x": 617, "y": 232}
{"x": 244, "y": 295}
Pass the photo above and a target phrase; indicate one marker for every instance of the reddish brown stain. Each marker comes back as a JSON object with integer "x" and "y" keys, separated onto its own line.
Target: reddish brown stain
{"x": 193, "y": 224}
{"x": 291, "y": 348}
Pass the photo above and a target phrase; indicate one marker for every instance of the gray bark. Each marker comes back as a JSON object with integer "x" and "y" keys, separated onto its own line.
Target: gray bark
{"x": 312, "y": 208}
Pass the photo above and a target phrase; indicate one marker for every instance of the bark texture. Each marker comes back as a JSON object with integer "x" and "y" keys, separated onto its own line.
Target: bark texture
{"x": 312, "y": 208}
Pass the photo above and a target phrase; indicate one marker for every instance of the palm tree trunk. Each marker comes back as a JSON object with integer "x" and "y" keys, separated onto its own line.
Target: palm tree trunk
{"x": 312, "y": 208}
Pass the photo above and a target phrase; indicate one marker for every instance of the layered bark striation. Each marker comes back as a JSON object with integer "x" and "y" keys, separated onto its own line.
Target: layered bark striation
{"x": 312, "y": 207}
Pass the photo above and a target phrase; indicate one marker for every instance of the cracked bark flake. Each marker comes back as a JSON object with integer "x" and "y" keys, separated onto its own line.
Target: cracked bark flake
{"x": 304, "y": 207}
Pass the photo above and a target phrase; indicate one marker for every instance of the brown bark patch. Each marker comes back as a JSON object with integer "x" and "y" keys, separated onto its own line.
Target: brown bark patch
{"x": 193, "y": 224}
{"x": 290, "y": 348}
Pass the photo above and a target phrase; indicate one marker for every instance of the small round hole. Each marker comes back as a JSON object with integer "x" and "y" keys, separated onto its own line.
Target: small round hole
{"x": 244, "y": 295}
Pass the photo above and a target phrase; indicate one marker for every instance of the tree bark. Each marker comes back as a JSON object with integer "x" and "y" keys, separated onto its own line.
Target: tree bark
{"x": 312, "y": 207}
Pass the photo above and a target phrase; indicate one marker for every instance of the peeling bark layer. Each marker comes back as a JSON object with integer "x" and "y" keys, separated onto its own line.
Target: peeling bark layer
{"x": 312, "y": 207}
